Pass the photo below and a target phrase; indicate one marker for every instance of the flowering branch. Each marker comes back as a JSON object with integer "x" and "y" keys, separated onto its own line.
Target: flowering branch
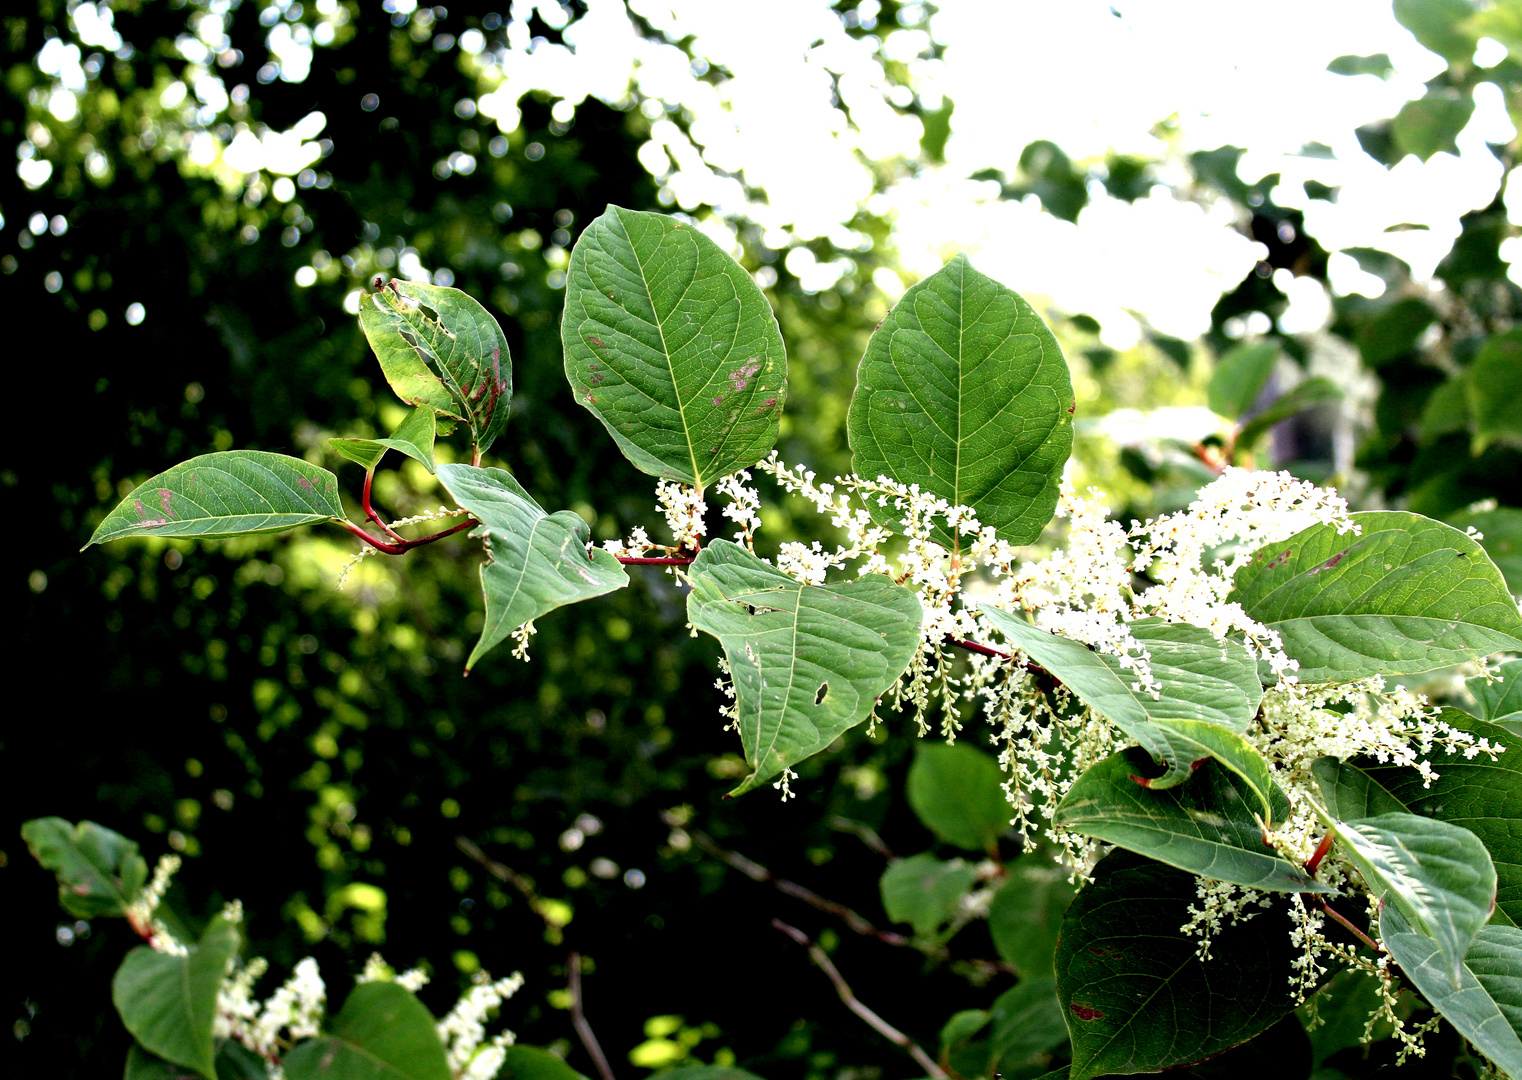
{"x": 403, "y": 546}
{"x": 579, "y": 1020}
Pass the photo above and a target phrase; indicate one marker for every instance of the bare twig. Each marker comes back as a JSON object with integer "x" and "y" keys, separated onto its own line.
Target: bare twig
{"x": 579, "y": 1020}
{"x": 875, "y": 1022}
{"x": 864, "y": 833}
{"x": 1342, "y": 920}
{"x": 505, "y": 874}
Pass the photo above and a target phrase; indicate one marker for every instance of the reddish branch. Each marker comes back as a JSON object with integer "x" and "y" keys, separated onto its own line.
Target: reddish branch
{"x": 1321, "y": 850}
{"x": 402, "y": 546}
{"x": 676, "y": 560}
{"x": 579, "y": 1020}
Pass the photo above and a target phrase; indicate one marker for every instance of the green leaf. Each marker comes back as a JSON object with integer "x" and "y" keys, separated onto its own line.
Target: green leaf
{"x": 924, "y": 891}
{"x": 1500, "y": 702}
{"x": 1314, "y": 391}
{"x": 1026, "y": 915}
{"x": 1440, "y": 25}
{"x": 957, "y": 792}
{"x": 1136, "y": 995}
{"x": 226, "y": 494}
{"x": 1430, "y": 124}
{"x": 1394, "y": 330}
{"x": 1208, "y": 826}
{"x": 1438, "y": 874}
{"x": 1027, "y": 1020}
{"x": 964, "y": 391}
{"x": 531, "y": 1063}
{"x": 414, "y": 437}
{"x": 168, "y": 1002}
{"x": 808, "y": 661}
{"x": 683, "y": 1072}
{"x": 1239, "y": 377}
{"x": 1502, "y": 531}
{"x": 381, "y": 1033}
{"x": 99, "y": 871}
{"x": 671, "y": 345}
{"x": 1209, "y": 693}
{"x": 233, "y": 1062}
{"x": 1405, "y": 595}
{"x": 1484, "y": 1000}
{"x": 1352, "y": 794}
{"x": 1476, "y": 793}
{"x": 1494, "y": 386}
{"x": 1344, "y": 1006}
{"x": 141, "y": 1065}
{"x": 963, "y": 1026}
{"x": 1376, "y": 64}
{"x": 441, "y": 349}
{"x": 536, "y": 562}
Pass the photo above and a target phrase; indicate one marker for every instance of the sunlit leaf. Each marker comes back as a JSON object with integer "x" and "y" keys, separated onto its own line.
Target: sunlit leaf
{"x": 1239, "y": 377}
{"x": 99, "y": 871}
{"x": 414, "y": 437}
{"x": 168, "y": 1002}
{"x": 381, "y": 1033}
{"x": 672, "y": 346}
{"x": 1314, "y": 391}
{"x": 1431, "y": 124}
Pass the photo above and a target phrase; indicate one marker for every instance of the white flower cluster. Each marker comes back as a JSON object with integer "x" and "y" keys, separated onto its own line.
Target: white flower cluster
{"x": 464, "y": 1029}
{"x": 638, "y": 543}
{"x": 683, "y": 508}
{"x": 743, "y": 507}
{"x": 140, "y": 911}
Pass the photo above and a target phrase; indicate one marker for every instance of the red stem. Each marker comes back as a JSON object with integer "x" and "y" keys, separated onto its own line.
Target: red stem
{"x": 403, "y": 546}
{"x": 370, "y": 513}
{"x": 973, "y": 646}
{"x": 1320, "y": 853}
{"x": 1349, "y": 927}
{"x": 630, "y": 560}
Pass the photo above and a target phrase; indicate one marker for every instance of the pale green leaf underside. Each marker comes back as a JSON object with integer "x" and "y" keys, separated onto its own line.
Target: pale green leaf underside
{"x": 1206, "y": 826}
{"x": 924, "y": 891}
{"x": 1438, "y": 874}
{"x": 1407, "y": 595}
{"x": 226, "y": 494}
{"x": 538, "y": 562}
{"x": 673, "y": 347}
{"x": 1209, "y": 693}
{"x": 1484, "y": 1000}
{"x": 414, "y": 437}
{"x": 808, "y": 661}
{"x": 440, "y": 348}
{"x": 964, "y": 391}
{"x": 168, "y": 1002}
{"x": 381, "y": 1033}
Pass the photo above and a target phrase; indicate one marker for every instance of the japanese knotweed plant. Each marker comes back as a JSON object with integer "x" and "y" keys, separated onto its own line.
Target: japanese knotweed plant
{"x": 1201, "y": 714}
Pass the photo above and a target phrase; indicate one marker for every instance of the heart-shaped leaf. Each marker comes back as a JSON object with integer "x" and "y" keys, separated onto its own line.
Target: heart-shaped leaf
{"x": 925, "y": 891}
{"x": 1209, "y": 691}
{"x": 99, "y": 871}
{"x": 381, "y": 1033}
{"x": 169, "y": 1002}
{"x": 1439, "y": 875}
{"x": 957, "y": 792}
{"x": 964, "y": 391}
{"x": 1407, "y": 594}
{"x": 808, "y": 661}
{"x": 538, "y": 562}
{"x": 1136, "y": 995}
{"x": 672, "y": 346}
{"x": 438, "y": 347}
{"x": 1208, "y": 826}
{"x": 414, "y": 437}
{"x": 229, "y": 493}
{"x": 1483, "y": 998}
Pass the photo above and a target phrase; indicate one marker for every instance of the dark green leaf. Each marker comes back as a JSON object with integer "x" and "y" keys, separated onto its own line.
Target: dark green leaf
{"x": 99, "y": 871}
{"x": 1483, "y": 998}
{"x": 1377, "y": 64}
{"x": 1136, "y": 995}
{"x": 1314, "y": 391}
{"x": 963, "y": 1026}
{"x": 1343, "y": 1006}
{"x": 1440, "y": 25}
{"x": 1209, "y": 693}
{"x": 1239, "y": 377}
{"x": 381, "y": 1033}
{"x": 964, "y": 391}
{"x": 141, "y": 1065}
{"x": 1430, "y": 124}
{"x": 1407, "y": 594}
{"x": 1394, "y": 330}
{"x": 957, "y": 792}
{"x": 226, "y": 494}
{"x": 672, "y": 346}
{"x": 1499, "y": 702}
{"x": 441, "y": 349}
{"x": 1209, "y": 826}
{"x": 414, "y": 437}
{"x": 1438, "y": 874}
{"x": 1494, "y": 386}
{"x": 1352, "y": 794}
{"x": 531, "y": 1063}
{"x": 808, "y": 661}
{"x": 537, "y": 562}
{"x": 169, "y": 1002}
{"x": 238, "y": 1062}
{"x": 1027, "y": 1020}
{"x": 1502, "y": 529}
{"x": 1026, "y": 914}
{"x": 926, "y": 892}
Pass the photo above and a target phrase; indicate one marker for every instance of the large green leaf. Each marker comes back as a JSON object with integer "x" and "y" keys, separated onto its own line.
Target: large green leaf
{"x": 531, "y": 1063}
{"x": 1430, "y": 124}
{"x": 1025, "y": 915}
{"x": 1027, "y": 1020}
{"x": 672, "y": 346}
{"x": 1208, "y": 826}
{"x": 1352, "y": 794}
{"x": 1501, "y": 528}
{"x": 1494, "y": 387}
{"x": 1239, "y": 377}
{"x": 924, "y": 891}
{"x": 99, "y": 871}
{"x": 233, "y": 1062}
{"x": 1307, "y": 395}
{"x": 381, "y": 1033}
{"x": 964, "y": 391}
{"x": 1405, "y": 595}
{"x": 169, "y": 1002}
{"x": 440, "y": 348}
{"x": 1479, "y": 794}
{"x": 226, "y": 494}
{"x": 1444, "y": 26}
{"x": 414, "y": 437}
{"x": 1438, "y": 874}
{"x": 1209, "y": 693}
{"x": 537, "y": 561}
{"x": 957, "y": 792}
{"x": 1136, "y": 995}
{"x": 1483, "y": 999}
{"x": 1500, "y": 702}
{"x": 808, "y": 661}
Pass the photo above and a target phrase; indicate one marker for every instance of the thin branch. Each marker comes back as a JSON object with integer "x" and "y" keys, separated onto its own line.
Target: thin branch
{"x": 1341, "y": 919}
{"x": 505, "y": 874}
{"x": 876, "y": 1023}
{"x": 579, "y": 1021}
{"x": 862, "y": 832}
{"x": 370, "y": 511}
{"x": 985, "y": 650}
{"x": 632, "y": 560}
{"x": 403, "y": 546}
